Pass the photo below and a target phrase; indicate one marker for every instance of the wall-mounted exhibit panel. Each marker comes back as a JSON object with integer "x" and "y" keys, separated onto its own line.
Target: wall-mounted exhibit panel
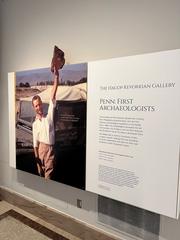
{"x": 115, "y": 123}
{"x": 133, "y": 130}
{"x": 69, "y": 119}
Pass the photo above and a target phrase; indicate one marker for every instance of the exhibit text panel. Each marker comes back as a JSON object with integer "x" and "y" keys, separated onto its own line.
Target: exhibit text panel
{"x": 133, "y": 130}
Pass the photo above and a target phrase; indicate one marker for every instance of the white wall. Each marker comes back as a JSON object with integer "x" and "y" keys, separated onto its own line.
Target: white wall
{"x": 86, "y": 30}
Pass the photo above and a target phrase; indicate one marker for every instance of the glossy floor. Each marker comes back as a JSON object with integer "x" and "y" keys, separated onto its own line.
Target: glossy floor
{"x": 16, "y": 224}
{"x": 58, "y": 223}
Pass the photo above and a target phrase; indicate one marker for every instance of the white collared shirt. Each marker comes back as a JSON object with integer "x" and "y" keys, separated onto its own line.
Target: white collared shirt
{"x": 43, "y": 129}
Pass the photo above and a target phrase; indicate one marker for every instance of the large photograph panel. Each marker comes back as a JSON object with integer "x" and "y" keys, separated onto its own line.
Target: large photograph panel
{"x": 69, "y": 121}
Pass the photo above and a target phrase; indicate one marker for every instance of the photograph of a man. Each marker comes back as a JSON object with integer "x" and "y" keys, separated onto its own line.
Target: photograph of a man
{"x": 43, "y": 133}
{"x": 43, "y": 126}
{"x": 50, "y": 125}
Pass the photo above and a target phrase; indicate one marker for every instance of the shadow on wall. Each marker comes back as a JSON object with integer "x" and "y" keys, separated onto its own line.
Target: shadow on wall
{"x": 58, "y": 191}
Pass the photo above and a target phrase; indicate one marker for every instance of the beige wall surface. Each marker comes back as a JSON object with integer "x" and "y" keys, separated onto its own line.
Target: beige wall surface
{"x": 86, "y": 30}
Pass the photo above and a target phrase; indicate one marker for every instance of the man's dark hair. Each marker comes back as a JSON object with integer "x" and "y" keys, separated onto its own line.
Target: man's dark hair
{"x": 35, "y": 98}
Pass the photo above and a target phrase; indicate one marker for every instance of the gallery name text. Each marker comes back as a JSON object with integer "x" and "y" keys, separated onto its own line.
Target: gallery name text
{"x": 138, "y": 86}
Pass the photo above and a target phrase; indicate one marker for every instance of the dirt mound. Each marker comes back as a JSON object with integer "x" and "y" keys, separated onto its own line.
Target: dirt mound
{"x": 25, "y": 92}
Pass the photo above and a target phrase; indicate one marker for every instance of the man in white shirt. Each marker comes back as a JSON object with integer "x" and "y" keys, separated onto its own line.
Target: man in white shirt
{"x": 43, "y": 132}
